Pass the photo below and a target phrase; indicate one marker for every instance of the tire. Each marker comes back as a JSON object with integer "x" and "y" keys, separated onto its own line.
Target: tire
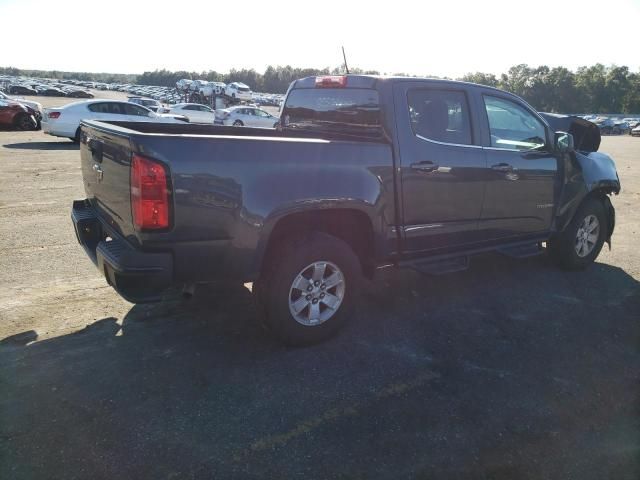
{"x": 566, "y": 249}
{"x": 238, "y": 123}
{"x": 25, "y": 122}
{"x": 76, "y": 139}
{"x": 294, "y": 264}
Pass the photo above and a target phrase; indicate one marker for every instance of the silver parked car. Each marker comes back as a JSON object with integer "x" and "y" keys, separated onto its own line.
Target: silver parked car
{"x": 246, "y": 116}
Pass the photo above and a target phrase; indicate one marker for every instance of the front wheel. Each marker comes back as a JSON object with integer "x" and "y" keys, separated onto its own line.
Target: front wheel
{"x": 308, "y": 288}
{"x": 238, "y": 123}
{"x": 580, "y": 243}
{"x": 26, "y": 122}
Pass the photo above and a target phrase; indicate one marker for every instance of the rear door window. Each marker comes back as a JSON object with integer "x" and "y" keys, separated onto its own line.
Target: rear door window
{"x": 102, "y": 107}
{"x": 440, "y": 115}
{"x": 115, "y": 108}
{"x": 135, "y": 110}
{"x": 353, "y": 111}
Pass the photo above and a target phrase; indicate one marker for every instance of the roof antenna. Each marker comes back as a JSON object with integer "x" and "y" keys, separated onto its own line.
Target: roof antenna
{"x": 346, "y": 67}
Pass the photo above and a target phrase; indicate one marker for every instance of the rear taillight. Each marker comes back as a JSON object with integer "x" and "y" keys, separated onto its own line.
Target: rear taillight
{"x": 53, "y": 114}
{"x": 149, "y": 194}
{"x": 331, "y": 81}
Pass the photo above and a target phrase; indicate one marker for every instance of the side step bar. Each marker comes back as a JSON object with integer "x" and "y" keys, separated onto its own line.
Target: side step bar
{"x": 524, "y": 250}
{"x": 449, "y": 263}
{"x": 441, "y": 266}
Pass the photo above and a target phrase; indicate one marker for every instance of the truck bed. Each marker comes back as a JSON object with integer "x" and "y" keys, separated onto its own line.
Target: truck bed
{"x": 230, "y": 186}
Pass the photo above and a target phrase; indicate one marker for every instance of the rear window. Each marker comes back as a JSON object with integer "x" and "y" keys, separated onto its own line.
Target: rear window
{"x": 351, "y": 111}
{"x": 244, "y": 89}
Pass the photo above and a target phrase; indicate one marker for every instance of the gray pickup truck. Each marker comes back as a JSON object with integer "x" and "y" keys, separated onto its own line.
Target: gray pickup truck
{"x": 363, "y": 172}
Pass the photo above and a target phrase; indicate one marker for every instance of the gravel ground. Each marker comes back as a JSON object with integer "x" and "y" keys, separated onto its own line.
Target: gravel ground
{"x": 512, "y": 369}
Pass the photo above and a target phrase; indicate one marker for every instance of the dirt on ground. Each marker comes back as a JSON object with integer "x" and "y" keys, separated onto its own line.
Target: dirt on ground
{"x": 512, "y": 369}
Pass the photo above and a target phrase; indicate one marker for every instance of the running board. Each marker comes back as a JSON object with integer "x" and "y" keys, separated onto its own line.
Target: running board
{"x": 522, "y": 251}
{"x": 440, "y": 266}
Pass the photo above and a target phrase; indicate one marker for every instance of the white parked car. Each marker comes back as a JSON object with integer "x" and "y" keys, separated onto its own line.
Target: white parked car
{"x": 65, "y": 121}
{"x": 212, "y": 88}
{"x": 183, "y": 84}
{"x": 245, "y": 116}
{"x": 238, "y": 91}
{"x": 219, "y": 87}
{"x": 197, "y": 85}
{"x": 195, "y": 112}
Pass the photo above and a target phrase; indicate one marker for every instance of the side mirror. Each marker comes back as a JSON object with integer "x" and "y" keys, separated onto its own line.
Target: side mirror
{"x": 564, "y": 142}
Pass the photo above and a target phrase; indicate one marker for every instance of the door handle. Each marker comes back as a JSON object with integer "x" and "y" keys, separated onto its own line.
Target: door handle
{"x": 99, "y": 172}
{"x": 424, "y": 166}
{"x": 502, "y": 167}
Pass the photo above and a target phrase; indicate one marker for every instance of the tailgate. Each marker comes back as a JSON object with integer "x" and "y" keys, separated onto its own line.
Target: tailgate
{"x": 106, "y": 160}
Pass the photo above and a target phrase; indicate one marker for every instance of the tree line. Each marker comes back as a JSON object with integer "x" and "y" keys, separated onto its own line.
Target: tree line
{"x": 590, "y": 89}
{"x": 60, "y": 75}
{"x": 594, "y": 89}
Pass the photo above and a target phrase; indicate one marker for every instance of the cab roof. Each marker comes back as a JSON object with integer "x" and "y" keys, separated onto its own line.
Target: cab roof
{"x": 370, "y": 81}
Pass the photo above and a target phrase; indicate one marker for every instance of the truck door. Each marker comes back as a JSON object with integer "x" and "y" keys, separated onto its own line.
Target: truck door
{"x": 442, "y": 165}
{"x": 522, "y": 170}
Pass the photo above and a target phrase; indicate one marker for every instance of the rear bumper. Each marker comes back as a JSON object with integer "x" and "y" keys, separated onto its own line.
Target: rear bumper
{"x": 137, "y": 276}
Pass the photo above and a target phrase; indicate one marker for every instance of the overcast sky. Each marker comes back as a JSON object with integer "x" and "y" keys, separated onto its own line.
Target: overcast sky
{"x": 444, "y": 38}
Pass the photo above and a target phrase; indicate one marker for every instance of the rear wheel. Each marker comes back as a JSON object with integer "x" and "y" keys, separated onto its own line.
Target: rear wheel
{"x": 76, "y": 139}
{"x": 308, "y": 288}
{"x": 580, "y": 243}
{"x": 238, "y": 123}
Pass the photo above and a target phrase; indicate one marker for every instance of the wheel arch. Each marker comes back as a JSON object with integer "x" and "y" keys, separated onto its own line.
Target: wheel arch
{"x": 601, "y": 194}
{"x": 350, "y": 224}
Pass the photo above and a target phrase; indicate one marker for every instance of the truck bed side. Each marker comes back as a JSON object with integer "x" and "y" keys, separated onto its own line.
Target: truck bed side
{"x": 230, "y": 191}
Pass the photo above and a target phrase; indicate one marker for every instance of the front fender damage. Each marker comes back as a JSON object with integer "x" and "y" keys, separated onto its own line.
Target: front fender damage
{"x": 600, "y": 175}
{"x": 611, "y": 217}
{"x": 587, "y": 174}
{"x": 598, "y": 172}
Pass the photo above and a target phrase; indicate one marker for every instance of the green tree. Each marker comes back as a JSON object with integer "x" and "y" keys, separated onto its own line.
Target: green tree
{"x": 488, "y": 79}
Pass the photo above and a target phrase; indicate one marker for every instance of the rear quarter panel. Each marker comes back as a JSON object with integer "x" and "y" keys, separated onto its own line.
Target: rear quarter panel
{"x": 229, "y": 193}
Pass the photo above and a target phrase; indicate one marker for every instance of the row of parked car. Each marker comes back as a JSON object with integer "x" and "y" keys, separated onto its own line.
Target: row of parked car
{"x": 615, "y": 126}
{"x": 184, "y": 90}
{"x": 65, "y": 121}
{"x": 42, "y": 87}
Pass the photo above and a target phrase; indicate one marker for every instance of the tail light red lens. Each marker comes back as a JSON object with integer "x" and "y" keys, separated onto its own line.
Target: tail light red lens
{"x": 331, "y": 81}
{"x": 149, "y": 194}
{"x": 53, "y": 114}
